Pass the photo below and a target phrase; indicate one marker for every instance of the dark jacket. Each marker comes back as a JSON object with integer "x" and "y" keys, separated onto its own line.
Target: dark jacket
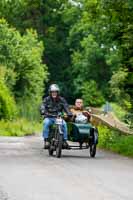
{"x": 53, "y": 107}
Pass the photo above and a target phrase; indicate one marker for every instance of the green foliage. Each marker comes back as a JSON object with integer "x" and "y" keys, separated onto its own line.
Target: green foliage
{"x": 90, "y": 63}
{"x": 117, "y": 83}
{"x": 129, "y": 119}
{"x": 84, "y": 41}
{"x": 50, "y": 20}
{"x": 119, "y": 111}
{"x": 123, "y": 112}
{"x": 8, "y": 108}
{"x": 29, "y": 109}
{"x": 22, "y": 54}
{"x": 19, "y": 127}
{"x": 101, "y": 46}
{"x": 114, "y": 141}
{"x": 91, "y": 95}
{"x": 22, "y": 68}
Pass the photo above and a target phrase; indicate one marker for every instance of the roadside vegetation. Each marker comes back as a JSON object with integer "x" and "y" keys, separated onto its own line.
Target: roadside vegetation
{"x": 19, "y": 127}
{"x": 114, "y": 141}
{"x": 83, "y": 46}
{"x": 22, "y": 81}
{"x": 118, "y": 111}
{"x": 123, "y": 114}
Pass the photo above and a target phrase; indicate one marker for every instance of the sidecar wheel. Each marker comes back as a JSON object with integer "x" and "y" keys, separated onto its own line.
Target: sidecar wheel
{"x": 92, "y": 150}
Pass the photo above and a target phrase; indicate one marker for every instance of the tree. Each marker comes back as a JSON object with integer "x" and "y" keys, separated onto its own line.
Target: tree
{"x": 101, "y": 44}
{"x": 21, "y": 56}
{"x": 52, "y": 20}
{"x": 84, "y": 40}
{"x": 91, "y": 95}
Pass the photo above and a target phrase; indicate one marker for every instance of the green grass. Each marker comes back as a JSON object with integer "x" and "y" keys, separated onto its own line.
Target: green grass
{"x": 19, "y": 127}
{"x": 114, "y": 141}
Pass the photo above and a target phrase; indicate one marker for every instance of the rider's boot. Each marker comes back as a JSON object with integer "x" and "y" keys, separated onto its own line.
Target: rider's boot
{"x": 46, "y": 143}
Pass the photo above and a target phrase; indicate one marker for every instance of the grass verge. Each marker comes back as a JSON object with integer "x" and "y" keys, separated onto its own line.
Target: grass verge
{"x": 113, "y": 140}
{"x": 19, "y": 127}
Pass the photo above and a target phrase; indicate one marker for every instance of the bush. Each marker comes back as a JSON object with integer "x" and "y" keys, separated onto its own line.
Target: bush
{"x": 7, "y": 104}
{"x": 113, "y": 140}
{"x": 123, "y": 114}
{"x": 19, "y": 127}
{"x": 29, "y": 109}
{"x": 91, "y": 95}
{"x": 119, "y": 111}
{"x": 23, "y": 73}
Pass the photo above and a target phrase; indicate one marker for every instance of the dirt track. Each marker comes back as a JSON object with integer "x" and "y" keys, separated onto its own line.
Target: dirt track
{"x": 28, "y": 173}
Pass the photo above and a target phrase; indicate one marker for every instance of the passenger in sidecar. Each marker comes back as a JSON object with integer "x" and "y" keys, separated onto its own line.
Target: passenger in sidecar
{"x": 79, "y": 113}
{"x": 81, "y": 130}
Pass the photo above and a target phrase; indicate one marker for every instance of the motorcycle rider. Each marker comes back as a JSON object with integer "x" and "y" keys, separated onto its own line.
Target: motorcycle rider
{"x": 51, "y": 106}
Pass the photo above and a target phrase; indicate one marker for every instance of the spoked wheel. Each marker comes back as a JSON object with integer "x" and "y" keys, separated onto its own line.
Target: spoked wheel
{"x": 59, "y": 146}
{"x": 92, "y": 150}
{"x": 51, "y": 148}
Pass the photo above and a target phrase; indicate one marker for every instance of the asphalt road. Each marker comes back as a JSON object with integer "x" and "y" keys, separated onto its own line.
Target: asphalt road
{"x": 28, "y": 173}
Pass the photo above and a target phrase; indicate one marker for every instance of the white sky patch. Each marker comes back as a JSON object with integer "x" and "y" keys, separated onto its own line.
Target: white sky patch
{"x": 102, "y": 46}
{"x": 75, "y": 3}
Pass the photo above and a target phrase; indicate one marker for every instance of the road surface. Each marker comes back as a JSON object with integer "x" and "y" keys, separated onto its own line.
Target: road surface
{"x": 28, "y": 173}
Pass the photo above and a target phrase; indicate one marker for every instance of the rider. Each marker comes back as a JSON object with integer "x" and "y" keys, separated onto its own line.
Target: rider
{"x": 78, "y": 109}
{"x": 51, "y": 106}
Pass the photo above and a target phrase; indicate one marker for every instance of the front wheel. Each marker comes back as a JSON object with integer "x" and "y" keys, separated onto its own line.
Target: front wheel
{"x": 92, "y": 150}
{"x": 59, "y": 146}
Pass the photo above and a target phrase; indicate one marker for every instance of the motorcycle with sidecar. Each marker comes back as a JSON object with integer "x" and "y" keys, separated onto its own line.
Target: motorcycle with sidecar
{"x": 82, "y": 136}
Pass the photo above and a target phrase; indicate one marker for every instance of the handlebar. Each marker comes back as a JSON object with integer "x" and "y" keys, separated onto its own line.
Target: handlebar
{"x": 50, "y": 115}
{"x": 57, "y": 115}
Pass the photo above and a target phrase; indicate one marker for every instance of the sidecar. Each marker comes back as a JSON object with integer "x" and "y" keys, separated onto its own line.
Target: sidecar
{"x": 86, "y": 135}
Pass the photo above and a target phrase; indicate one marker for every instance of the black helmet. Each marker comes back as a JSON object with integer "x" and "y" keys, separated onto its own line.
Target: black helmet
{"x": 54, "y": 88}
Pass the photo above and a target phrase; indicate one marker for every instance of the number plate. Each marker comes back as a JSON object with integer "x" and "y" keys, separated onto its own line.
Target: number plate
{"x": 58, "y": 121}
